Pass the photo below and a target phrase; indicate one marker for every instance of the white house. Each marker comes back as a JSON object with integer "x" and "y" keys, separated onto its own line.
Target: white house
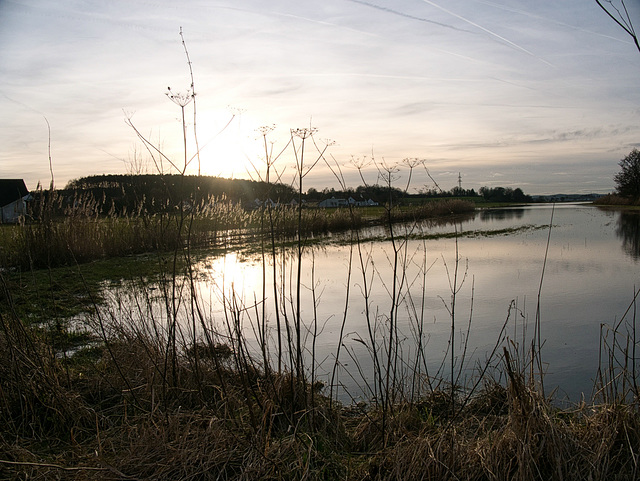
{"x": 333, "y": 202}
{"x": 265, "y": 203}
{"x": 361, "y": 203}
{"x": 13, "y": 200}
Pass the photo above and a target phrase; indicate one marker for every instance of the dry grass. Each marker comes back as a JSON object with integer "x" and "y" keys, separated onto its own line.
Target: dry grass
{"x": 430, "y": 210}
{"x": 108, "y": 415}
{"x": 614, "y": 199}
{"x": 77, "y": 233}
{"x": 65, "y": 233}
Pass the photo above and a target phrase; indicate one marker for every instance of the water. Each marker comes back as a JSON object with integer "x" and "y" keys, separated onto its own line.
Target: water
{"x": 588, "y": 280}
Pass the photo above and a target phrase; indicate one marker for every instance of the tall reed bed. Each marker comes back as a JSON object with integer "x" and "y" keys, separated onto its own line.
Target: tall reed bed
{"x": 63, "y": 231}
{"x": 432, "y": 209}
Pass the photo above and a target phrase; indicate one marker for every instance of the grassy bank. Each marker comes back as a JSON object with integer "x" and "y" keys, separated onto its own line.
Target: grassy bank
{"x": 82, "y": 234}
{"x": 120, "y": 410}
{"x": 614, "y": 200}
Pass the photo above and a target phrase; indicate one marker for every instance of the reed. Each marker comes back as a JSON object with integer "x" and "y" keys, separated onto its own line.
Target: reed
{"x": 66, "y": 232}
{"x": 432, "y": 209}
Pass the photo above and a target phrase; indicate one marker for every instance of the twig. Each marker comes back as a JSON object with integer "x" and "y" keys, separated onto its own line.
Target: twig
{"x": 66, "y": 468}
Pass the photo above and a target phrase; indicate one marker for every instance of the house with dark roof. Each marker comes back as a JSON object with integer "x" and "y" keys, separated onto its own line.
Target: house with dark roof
{"x": 13, "y": 200}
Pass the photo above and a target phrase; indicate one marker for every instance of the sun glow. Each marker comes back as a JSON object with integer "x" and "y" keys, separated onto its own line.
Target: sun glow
{"x": 231, "y": 276}
{"x": 230, "y": 147}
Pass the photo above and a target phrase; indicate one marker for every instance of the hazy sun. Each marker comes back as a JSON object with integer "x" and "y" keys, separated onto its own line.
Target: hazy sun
{"x": 229, "y": 147}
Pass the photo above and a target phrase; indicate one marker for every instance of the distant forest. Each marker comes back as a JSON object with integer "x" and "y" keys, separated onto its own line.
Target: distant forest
{"x": 382, "y": 194}
{"x": 119, "y": 193}
{"x": 155, "y": 193}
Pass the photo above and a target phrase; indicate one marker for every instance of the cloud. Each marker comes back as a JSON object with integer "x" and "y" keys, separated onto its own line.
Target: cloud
{"x": 453, "y": 84}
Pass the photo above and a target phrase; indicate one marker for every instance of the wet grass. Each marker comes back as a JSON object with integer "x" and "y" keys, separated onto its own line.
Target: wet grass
{"x": 66, "y": 291}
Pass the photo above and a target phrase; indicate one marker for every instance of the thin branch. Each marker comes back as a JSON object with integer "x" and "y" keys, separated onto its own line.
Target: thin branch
{"x": 148, "y": 143}
{"x": 623, "y": 20}
{"x": 49, "y": 151}
{"x": 64, "y": 468}
{"x": 193, "y": 95}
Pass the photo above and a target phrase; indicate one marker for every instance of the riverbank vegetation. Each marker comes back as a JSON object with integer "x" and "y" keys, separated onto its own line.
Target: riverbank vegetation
{"x": 143, "y": 379}
{"x": 66, "y": 229}
{"x": 627, "y": 182}
{"x": 128, "y": 406}
{"x": 615, "y": 200}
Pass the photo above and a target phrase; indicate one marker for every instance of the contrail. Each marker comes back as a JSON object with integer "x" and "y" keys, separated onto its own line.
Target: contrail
{"x": 406, "y": 15}
{"x": 486, "y": 30}
{"x": 288, "y": 15}
{"x": 371, "y": 75}
{"x": 22, "y": 104}
{"x": 551, "y": 20}
{"x": 321, "y": 22}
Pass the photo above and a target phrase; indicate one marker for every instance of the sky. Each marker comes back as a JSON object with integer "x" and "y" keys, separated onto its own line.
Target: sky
{"x": 540, "y": 95}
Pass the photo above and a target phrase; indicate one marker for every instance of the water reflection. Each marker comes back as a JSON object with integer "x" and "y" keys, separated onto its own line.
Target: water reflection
{"x": 502, "y": 214}
{"x": 628, "y": 230}
{"x": 434, "y": 226}
{"x": 447, "y": 221}
{"x": 434, "y": 223}
{"x": 350, "y": 290}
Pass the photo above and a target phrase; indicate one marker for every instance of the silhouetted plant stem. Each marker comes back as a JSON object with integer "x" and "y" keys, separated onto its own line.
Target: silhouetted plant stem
{"x": 193, "y": 95}
{"x": 537, "y": 352}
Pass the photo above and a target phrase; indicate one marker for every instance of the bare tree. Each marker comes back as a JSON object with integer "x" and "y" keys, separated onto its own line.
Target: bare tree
{"x": 620, "y": 15}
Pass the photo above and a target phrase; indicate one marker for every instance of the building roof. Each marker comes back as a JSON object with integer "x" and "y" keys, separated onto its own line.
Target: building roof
{"x": 12, "y": 190}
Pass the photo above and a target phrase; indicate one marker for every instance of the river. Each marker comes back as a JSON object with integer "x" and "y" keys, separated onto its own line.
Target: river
{"x": 495, "y": 279}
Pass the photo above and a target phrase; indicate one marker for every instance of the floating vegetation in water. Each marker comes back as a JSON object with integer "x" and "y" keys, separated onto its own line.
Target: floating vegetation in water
{"x": 412, "y": 235}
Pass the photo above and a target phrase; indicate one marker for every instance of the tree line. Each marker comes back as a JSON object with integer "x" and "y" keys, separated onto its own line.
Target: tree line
{"x": 381, "y": 194}
{"x": 153, "y": 193}
{"x": 504, "y": 194}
